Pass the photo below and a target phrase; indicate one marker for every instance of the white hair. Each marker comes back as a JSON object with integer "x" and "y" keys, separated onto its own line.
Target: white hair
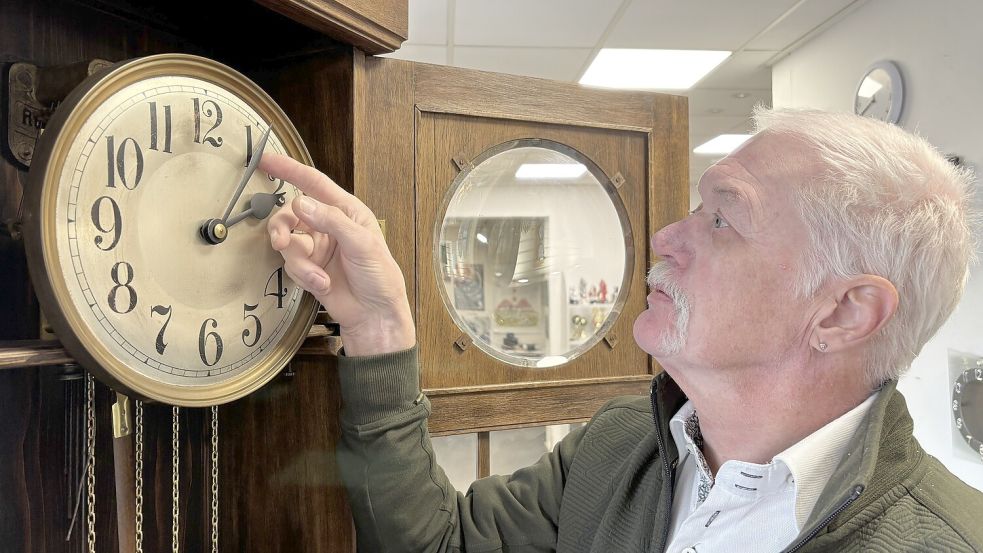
{"x": 886, "y": 203}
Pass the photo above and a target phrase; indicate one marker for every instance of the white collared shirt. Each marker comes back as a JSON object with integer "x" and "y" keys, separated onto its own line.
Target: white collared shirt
{"x": 750, "y": 506}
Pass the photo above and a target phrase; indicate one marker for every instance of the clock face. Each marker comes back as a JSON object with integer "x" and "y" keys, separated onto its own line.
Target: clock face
{"x": 879, "y": 94}
{"x": 132, "y": 178}
{"x": 967, "y": 406}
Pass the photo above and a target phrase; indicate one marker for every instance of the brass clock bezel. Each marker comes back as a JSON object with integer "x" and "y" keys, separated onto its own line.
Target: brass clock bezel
{"x": 41, "y": 240}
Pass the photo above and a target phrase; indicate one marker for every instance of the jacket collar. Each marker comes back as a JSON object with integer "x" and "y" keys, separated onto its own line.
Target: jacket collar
{"x": 878, "y": 456}
{"x": 881, "y": 454}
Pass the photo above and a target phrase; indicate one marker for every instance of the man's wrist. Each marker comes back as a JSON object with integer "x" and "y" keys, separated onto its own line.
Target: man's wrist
{"x": 379, "y": 335}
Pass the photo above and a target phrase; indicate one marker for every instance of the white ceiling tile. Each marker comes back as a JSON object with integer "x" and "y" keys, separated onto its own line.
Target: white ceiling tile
{"x": 570, "y": 23}
{"x": 428, "y": 22}
{"x": 743, "y": 70}
{"x": 561, "y": 64}
{"x": 694, "y": 25}
{"x": 809, "y": 16}
{"x": 709, "y": 101}
{"x": 421, "y": 53}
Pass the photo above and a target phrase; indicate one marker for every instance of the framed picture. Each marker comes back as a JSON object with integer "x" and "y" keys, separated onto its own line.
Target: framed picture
{"x": 469, "y": 289}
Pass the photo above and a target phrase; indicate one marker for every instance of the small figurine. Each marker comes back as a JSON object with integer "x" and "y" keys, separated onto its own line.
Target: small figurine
{"x": 602, "y": 292}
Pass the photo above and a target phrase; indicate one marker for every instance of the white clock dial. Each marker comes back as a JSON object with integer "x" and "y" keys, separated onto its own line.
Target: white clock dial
{"x": 163, "y": 309}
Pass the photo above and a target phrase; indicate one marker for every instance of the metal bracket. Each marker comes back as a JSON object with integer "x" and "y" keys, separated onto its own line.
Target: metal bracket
{"x": 611, "y": 340}
{"x": 463, "y": 342}
{"x": 122, "y": 418}
{"x": 618, "y": 180}
{"x": 34, "y": 93}
{"x": 462, "y": 162}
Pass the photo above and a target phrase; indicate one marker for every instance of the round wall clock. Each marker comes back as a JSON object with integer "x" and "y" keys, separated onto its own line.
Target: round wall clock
{"x": 145, "y": 231}
{"x": 880, "y": 94}
{"x": 967, "y": 406}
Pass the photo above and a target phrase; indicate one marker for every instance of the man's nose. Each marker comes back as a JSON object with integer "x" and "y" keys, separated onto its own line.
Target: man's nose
{"x": 669, "y": 243}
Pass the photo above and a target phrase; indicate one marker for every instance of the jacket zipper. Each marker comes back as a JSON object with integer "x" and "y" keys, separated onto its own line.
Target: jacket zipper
{"x": 667, "y": 472}
{"x": 857, "y": 490}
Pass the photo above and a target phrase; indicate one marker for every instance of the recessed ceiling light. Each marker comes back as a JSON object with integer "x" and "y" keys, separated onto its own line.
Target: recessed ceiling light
{"x": 550, "y": 170}
{"x": 723, "y": 144}
{"x": 741, "y": 95}
{"x": 651, "y": 69}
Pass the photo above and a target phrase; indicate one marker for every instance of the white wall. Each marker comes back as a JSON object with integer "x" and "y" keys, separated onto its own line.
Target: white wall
{"x": 937, "y": 46}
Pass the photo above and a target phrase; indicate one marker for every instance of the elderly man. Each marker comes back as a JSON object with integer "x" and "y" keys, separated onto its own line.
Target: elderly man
{"x": 827, "y": 251}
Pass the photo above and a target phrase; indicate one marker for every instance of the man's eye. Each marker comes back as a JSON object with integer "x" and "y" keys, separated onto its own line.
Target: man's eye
{"x": 719, "y": 222}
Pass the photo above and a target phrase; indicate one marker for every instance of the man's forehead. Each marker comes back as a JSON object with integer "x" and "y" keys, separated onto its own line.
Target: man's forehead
{"x": 763, "y": 160}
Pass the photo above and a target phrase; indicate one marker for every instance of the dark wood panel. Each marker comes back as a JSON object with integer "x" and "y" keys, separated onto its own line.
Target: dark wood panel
{"x": 278, "y": 484}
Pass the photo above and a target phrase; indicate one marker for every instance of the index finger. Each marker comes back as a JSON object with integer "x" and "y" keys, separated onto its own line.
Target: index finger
{"x": 311, "y": 181}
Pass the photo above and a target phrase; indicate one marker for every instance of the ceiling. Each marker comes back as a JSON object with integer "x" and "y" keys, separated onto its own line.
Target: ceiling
{"x": 557, "y": 39}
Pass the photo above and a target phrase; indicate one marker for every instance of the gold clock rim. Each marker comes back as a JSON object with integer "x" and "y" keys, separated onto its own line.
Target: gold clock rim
{"x": 41, "y": 240}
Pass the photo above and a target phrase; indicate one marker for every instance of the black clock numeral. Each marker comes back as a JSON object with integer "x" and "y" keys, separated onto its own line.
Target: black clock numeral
{"x": 131, "y": 294}
{"x": 202, "y": 108}
{"x": 161, "y": 310}
{"x": 153, "y": 128}
{"x": 203, "y": 339}
{"x": 278, "y": 290}
{"x": 117, "y": 162}
{"x": 249, "y": 145}
{"x": 246, "y": 308}
{"x": 274, "y": 179}
{"x": 116, "y": 228}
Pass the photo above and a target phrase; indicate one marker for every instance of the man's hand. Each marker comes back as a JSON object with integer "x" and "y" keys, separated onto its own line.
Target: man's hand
{"x": 332, "y": 246}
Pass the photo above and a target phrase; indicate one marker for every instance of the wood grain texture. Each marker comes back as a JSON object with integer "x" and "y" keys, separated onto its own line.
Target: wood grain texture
{"x": 374, "y": 26}
{"x": 452, "y": 111}
{"x": 384, "y": 154}
{"x": 614, "y": 151}
{"x": 489, "y": 408}
{"x": 278, "y": 484}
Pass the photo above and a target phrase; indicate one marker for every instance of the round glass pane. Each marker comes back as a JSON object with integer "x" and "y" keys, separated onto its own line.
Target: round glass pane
{"x": 533, "y": 253}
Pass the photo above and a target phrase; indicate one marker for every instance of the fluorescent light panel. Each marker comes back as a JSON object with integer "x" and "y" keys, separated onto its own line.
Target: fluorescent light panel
{"x": 651, "y": 69}
{"x": 723, "y": 144}
{"x": 550, "y": 170}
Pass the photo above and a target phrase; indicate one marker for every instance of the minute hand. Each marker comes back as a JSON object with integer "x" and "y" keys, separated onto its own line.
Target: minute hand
{"x": 250, "y": 169}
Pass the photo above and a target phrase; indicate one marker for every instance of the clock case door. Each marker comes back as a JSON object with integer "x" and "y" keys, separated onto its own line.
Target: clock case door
{"x": 413, "y": 120}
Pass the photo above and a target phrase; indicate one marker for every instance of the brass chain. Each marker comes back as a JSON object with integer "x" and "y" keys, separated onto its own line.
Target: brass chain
{"x": 90, "y": 470}
{"x": 175, "y": 477}
{"x": 214, "y": 479}
{"x": 138, "y": 455}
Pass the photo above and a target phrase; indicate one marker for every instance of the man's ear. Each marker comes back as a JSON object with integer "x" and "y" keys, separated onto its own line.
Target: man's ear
{"x": 863, "y": 305}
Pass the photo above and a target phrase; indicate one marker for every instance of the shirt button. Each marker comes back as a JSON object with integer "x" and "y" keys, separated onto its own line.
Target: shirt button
{"x": 689, "y": 550}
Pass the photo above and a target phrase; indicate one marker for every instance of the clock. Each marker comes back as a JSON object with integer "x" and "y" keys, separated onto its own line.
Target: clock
{"x": 967, "y": 405}
{"x": 880, "y": 94}
{"x": 149, "y": 259}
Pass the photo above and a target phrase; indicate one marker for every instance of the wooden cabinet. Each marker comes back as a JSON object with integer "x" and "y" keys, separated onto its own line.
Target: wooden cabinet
{"x": 388, "y": 131}
{"x": 413, "y": 121}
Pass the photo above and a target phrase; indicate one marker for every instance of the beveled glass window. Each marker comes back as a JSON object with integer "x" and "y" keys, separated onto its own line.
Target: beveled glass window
{"x": 532, "y": 253}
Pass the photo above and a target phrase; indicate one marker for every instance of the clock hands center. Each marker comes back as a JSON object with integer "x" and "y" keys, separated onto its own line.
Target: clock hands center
{"x": 260, "y": 206}
{"x": 215, "y": 231}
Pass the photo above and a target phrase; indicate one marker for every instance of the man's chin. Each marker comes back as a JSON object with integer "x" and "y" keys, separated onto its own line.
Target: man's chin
{"x": 657, "y": 338}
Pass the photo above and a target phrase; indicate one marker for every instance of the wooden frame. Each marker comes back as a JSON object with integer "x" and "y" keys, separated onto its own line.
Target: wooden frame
{"x": 374, "y": 26}
{"x": 395, "y": 105}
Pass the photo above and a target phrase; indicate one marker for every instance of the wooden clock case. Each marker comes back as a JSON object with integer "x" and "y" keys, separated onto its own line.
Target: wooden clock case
{"x": 388, "y": 131}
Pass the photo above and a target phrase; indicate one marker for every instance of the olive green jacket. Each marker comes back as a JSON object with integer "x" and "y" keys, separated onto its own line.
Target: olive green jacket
{"x": 607, "y": 487}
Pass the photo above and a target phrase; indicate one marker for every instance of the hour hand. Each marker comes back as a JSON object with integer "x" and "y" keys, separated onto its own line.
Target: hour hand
{"x": 260, "y": 206}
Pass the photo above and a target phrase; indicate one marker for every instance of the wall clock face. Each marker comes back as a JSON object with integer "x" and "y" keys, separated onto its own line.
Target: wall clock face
{"x": 880, "y": 94}
{"x": 133, "y": 163}
{"x": 967, "y": 406}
